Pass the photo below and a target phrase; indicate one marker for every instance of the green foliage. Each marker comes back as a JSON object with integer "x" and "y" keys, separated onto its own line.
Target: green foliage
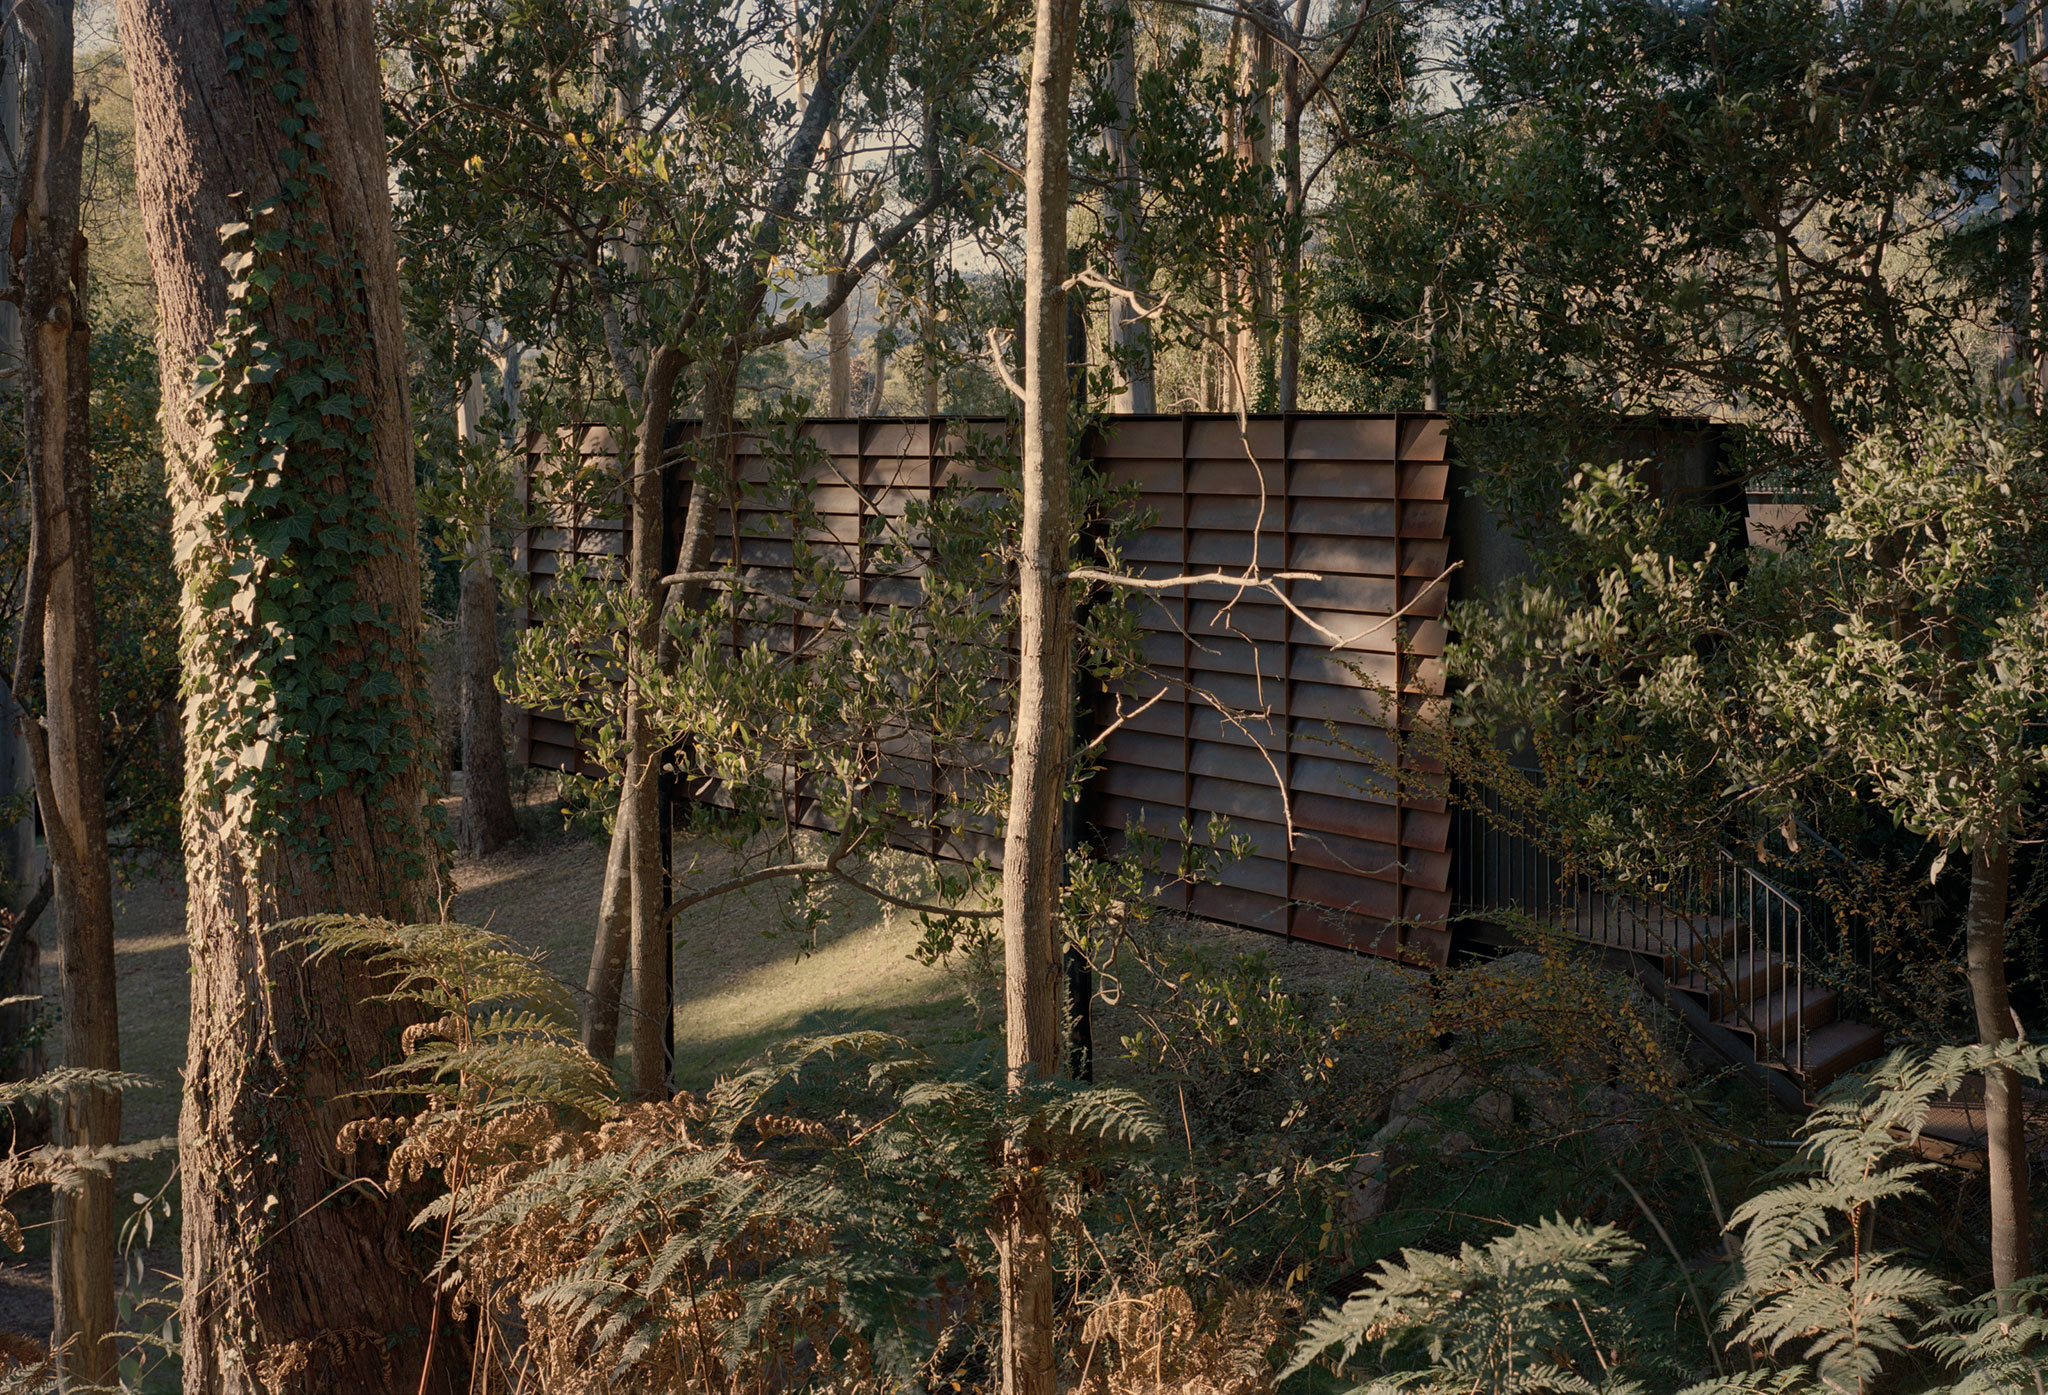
{"x": 1776, "y": 208}
{"x": 864, "y": 690}
{"x": 492, "y": 1034}
{"x": 135, "y": 590}
{"x": 1252, "y": 1057}
{"x": 1813, "y": 1276}
{"x": 1925, "y": 667}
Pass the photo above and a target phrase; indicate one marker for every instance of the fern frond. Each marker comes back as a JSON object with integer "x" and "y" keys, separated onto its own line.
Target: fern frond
{"x": 1996, "y": 1349}
{"x": 1106, "y": 1114}
{"x": 62, "y": 1081}
{"x": 1490, "y": 1318}
{"x": 1786, "y": 1380}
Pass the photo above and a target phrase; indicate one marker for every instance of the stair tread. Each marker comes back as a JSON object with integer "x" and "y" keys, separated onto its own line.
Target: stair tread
{"x": 1735, "y": 971}
{"x": 1838, "y": 1047}
{"x": 1777, "y": 1014}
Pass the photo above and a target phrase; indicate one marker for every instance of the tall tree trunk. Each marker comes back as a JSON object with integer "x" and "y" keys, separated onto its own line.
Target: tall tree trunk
{"x": 928, "y": 315}
{"x": 640, "y": 797}
{"x": 2004, "y": 1112}
{"x": 1230, "y": 287}
{"x": 1043, "y": 738}
{"x": 301, "y": 1272}
{"x": 1289, "y": 377}
{"x": 1128, "y": 334}
{"x": 488, "y": 821}
{"x": 1255, "y": 154}
{"x": 2015, "y": 197}
{"x": 839, "y": 324}
{"x": 66, "y": 748}
{"x": 878, "y": 380}
{"x": 20, "y": 868}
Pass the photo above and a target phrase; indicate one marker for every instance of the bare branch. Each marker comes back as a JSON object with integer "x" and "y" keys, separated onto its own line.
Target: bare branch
{"x": 1002, "y": 366}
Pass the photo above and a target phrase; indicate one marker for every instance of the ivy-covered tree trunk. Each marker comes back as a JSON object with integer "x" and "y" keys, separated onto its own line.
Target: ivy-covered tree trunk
{"x": 1043, "y": 737}
{"x": 261, "y": 172}
{"x": 66, "y": 744}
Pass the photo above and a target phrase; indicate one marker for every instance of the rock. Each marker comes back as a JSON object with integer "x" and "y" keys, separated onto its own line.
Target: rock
{"x": 1431, "y": 1079}
{"x": 1455, "y": 1142}
{"x": 1605, "y": 1099}
{"x": 1365, "y": 1190}
{"x": 1494, "y": 1107}
{"x": 1394, "y": 1130}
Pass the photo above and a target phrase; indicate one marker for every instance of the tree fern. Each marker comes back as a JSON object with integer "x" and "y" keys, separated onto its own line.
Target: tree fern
{"x": 1521, "y": 1314}
{"x": 1812, "y": 1283}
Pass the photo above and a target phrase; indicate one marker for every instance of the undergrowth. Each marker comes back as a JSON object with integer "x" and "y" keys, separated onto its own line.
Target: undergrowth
{"x": 823, "y": 1219}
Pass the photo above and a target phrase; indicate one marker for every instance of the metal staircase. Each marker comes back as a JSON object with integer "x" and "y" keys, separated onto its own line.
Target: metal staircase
{"x": 1745, "y": 964}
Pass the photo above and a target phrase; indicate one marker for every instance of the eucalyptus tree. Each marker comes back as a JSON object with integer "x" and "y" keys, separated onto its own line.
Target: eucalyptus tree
{"x": 1781, "y": 212}
{"x": 261, "y": 171}
{"x": 1785, "y": 216}
{"x": 1042, "y": 740}
{"x": 1217, "y": 125}
{"x": 1924, "y": 687}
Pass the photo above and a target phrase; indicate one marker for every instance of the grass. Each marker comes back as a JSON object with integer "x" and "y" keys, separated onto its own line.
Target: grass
{"x": 742, "y": 980}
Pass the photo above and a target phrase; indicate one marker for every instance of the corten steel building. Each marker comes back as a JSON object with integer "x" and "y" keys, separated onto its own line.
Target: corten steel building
{"x": 1271, "y": 696}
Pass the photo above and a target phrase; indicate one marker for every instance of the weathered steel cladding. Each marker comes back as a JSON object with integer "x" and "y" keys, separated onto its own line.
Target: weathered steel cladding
{"x": 1274, "y": 720}
{"x": 1264, "y": 720}
{"x": 586, "y": 536}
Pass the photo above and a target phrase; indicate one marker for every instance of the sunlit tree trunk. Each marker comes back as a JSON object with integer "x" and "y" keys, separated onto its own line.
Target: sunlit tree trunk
{"x": 1255, "y": 152}
{"x": 606, "y": 982}
{"x": 928, "y": 316}
{"x": 839, "y": 324}
{"x": 1043, "y": 737}
{"x": 1288, "y": 378}
{"x": 300, "y": 1268}
{"x": 640, "y": 797}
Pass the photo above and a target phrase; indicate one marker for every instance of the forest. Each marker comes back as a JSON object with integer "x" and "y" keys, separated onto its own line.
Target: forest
{"x": 1100, "y": 696}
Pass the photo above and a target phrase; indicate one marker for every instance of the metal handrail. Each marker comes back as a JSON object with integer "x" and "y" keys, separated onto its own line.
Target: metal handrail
{"x": 1500, "y": 870}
